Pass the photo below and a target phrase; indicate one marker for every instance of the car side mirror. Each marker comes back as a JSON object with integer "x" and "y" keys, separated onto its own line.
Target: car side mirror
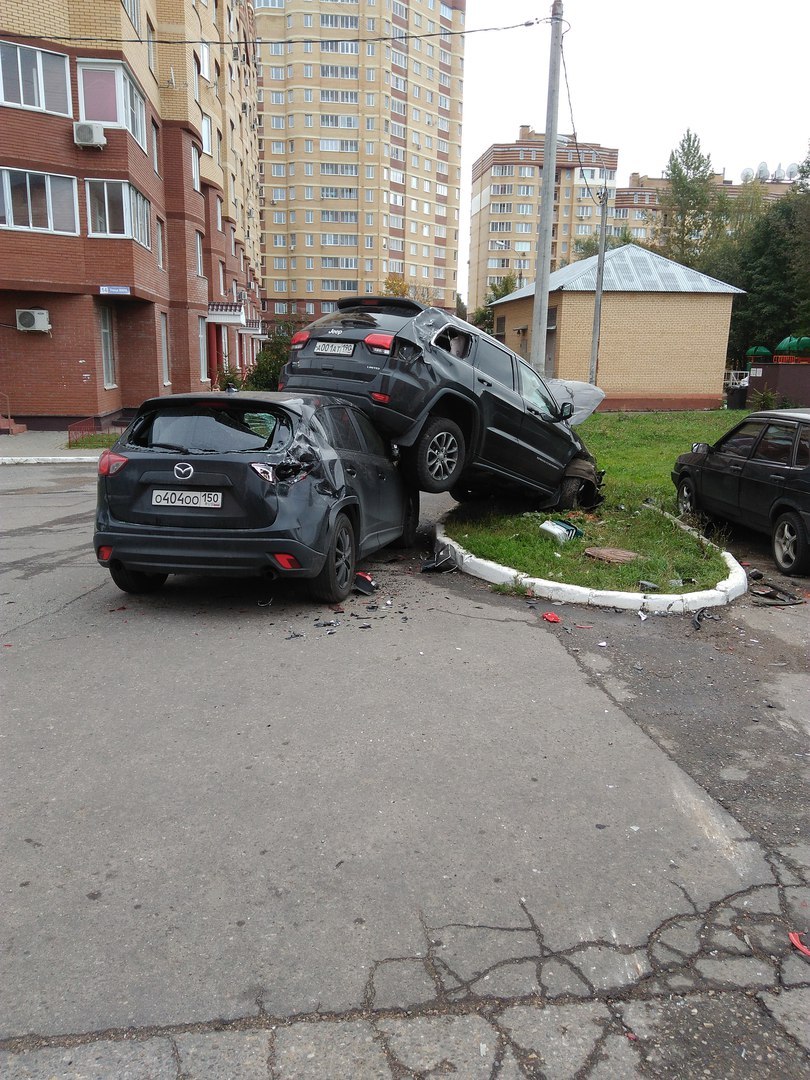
{"x": 566, "y": 410}
{"x": 700, "y": 448}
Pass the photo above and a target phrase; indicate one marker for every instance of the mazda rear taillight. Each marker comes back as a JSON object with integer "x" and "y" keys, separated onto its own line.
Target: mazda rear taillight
{"x": 379, "y": 343}
{"x": 264, "y": 471}
{"x": 299, "y": 340}
{"x": 111, "y": 463}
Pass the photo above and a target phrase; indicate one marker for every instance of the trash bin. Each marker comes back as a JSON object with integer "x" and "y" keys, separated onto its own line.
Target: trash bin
{"x": 737, "y": 397}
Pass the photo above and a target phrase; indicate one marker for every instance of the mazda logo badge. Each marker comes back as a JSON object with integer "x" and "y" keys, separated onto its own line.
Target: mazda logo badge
{"x": 183, "y": 471}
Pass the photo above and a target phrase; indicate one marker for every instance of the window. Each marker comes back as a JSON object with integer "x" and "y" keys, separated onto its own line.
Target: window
{"x": 219, "y": 214}
{"x": 198, "y": 248}
{"x": 108, "y": 94}
{"x": 155, "y": 147}
{"x": 495, "y": 362}
{"x": 202, "y": 337}
{"x": 195, "y": 168}
{"x": 133, "y": 9}
{"x": 150, "y": 46}
{"x": 115, "y": 208}
{"x": 159, "y": 244}
{"x": 207, "y": 127}
{"x": 164, "y": 348}
{"x": 33, "y": 79}
{"x": 776, "y": 444}
{"x": 536, "y": 391}
{"x": 107, "y": 346}
{"x": 38, "y": 201}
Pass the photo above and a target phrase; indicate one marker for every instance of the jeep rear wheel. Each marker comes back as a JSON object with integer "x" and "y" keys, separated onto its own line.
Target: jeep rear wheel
{"x": 439, "y": 455}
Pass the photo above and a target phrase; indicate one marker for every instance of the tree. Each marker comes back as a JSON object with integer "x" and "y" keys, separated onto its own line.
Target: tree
{"x": 272, "y": 358}
{"x": 688, "y": 208}
{"x": 482, "y": 317}
{"x": 589, "y": 245}
{"x": 395, "y": 285}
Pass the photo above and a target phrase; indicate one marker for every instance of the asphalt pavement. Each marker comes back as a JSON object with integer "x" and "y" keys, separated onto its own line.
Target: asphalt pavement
{"x": 475, "y": 844}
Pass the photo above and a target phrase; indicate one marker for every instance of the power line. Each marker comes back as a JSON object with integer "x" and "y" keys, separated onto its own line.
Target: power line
{"x": 442, "y": 34}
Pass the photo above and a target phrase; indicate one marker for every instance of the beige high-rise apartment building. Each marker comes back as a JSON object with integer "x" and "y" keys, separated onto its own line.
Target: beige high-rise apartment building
{"x": 505, "y": 208}
{"x": 360, "y": 144}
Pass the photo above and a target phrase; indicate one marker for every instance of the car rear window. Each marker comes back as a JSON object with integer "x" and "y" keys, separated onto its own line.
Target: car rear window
{"x": 222, "y": 428}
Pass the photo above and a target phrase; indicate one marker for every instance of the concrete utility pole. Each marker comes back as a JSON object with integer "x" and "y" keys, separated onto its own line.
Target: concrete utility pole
{"x": 540, "y": 312}
{"x": 597, "y": 296}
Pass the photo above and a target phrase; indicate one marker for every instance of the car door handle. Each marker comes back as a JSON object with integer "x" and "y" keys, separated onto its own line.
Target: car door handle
{"x": 735, "y": 468}
{"x": 350, "y": 471}
{"x": 484, "y": 382}
{"x": 776, "y": 476}
{"x": 381, "y": 475}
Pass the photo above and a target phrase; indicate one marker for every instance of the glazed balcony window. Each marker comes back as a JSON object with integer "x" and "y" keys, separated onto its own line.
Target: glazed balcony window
{"x": 108, "y": 95}
{"x": 41, "y": 202}
{"x": 34, "y": 79}
{"x": 117, "y": 209}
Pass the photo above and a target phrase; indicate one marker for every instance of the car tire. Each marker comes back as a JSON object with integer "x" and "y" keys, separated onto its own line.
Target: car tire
{"x": 687, "y": 496}
{"x": 335, "y": 581}
{"x": 569, "y": 493}
{"x": 439, "y": 455}
{"x": 791, "y": 551}
{"x": 411, "y": 522}
{"x": 136, "y": 582}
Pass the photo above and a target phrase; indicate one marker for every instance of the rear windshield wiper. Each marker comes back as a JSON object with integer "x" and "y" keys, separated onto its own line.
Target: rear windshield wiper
{"x": 169, "y": 446}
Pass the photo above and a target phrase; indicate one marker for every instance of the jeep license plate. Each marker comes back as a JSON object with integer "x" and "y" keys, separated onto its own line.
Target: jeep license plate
{"x": 206, "y": 500}
{"x": 334, "y": 348}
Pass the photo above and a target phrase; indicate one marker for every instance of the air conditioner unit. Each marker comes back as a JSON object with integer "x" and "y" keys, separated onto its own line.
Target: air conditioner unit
{"x": 33, "y": 319}
{"x": 244, "y": 108}
{"x": 88, "y": 134}
{"x": 235, "y": 52}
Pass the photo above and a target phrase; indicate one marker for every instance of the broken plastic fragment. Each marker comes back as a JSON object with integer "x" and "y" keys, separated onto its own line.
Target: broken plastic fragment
{"x": 648, "y": 586}
{"x": 796, "y": 940}
{"x": 550, "y": 616}
{"x": 364, "y": 583}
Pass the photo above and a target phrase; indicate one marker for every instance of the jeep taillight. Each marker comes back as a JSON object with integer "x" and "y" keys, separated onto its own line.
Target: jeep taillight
{"x": 379, "y": 343}
{"x": 299, "y": 340}
{"x": 111, "y": 463}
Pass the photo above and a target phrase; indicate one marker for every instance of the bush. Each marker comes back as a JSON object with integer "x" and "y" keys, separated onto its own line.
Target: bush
{"x": 230, "y": 378}
{"x": 264, "y": 376}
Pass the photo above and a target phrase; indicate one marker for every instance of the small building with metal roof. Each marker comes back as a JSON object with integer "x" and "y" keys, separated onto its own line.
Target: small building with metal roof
{"x": 664, "y": 329}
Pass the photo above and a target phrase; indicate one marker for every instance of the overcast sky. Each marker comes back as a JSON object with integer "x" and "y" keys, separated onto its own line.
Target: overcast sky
{"x": 640, "y": 73}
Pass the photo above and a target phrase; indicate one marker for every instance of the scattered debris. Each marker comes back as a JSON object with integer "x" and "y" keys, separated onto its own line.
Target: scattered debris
{"x": 602, "y": 644}
{"x": 584, "y": 626}
{"x": 796, "y": 940}
{"x": 294, "y": 634}
{"x": 562, "y": 531}
{"x": 550, "y": 616}
{"x": 611, "y": 555}
{"x": 642, "y": 616}
{"x": 264, "y": 603}
{"x": 767, "y": 594}
{"x": 364, "y": 583}
{"x": 648, "y": 586}
{"x": 755, "y": 575}
{"x": 443, "y": 561}
{"x": 322, "y": 623}
{"x": 700, "y": 615}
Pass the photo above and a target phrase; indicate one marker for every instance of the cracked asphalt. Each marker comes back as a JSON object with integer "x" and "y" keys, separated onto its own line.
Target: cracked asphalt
{"x": 433, "y": 835}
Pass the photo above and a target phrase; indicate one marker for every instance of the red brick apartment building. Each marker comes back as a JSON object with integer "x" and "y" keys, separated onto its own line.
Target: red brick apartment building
{"x": 129, "y": 235}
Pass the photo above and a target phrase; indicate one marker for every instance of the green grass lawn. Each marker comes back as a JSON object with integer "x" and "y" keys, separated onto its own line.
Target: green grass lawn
{"x": 95, "y": 441}
{"x": 637, "y": 451}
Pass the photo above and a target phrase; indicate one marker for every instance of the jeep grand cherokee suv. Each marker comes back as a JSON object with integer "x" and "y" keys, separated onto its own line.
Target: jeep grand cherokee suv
{"x": 468, "y": 414}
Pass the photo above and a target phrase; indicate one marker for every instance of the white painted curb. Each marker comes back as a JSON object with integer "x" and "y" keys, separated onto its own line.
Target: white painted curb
{"x": 736, "y": 584}
{"x": 47, "y": 460}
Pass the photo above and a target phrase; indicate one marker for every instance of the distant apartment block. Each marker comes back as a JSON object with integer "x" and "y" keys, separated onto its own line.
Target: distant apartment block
{"x": 505, "y": 208}
{"x": 360, "y": 144}
{"x": 129, "y": 216}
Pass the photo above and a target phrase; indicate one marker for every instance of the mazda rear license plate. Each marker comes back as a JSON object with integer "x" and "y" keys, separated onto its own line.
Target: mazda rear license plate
{"x": 206, "y": 500}
{"x": 334, "y": 348}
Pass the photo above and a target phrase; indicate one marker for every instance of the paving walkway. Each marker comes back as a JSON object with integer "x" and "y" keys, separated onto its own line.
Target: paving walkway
{"x": 41, "y": 447}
